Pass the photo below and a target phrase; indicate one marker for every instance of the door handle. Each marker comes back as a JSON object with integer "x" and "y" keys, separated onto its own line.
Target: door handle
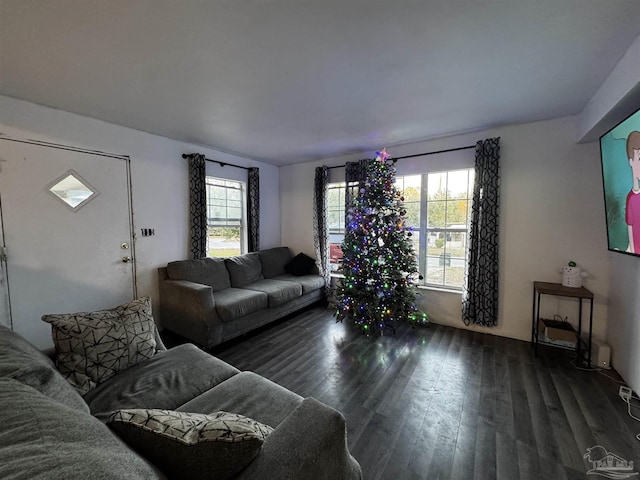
{"x": 126, "y": 259}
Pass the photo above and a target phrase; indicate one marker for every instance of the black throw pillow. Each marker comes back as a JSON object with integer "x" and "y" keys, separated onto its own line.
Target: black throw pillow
{"x": 299, "y": 265}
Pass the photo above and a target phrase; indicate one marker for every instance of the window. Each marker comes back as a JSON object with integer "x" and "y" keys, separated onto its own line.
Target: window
{"x": 448, "y": 213}
{"x": 410, "y": 187}
{"x": 226, "y": 222}
{"x": 335, "y": 222}
{"x": 438, "y": 207}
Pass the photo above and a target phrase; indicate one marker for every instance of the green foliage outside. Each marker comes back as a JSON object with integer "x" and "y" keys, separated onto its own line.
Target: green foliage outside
{"x": 444, "y": 209}
{"x": 223, "y": 252}
{"x": 228, "y": 235}
{"x": 412, "y": 205}
{"x": 225, "y": 232}
{"x": 379, "y": 264}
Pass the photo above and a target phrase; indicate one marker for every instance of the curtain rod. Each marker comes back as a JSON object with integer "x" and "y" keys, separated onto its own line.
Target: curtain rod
{"x": 222, "y": 164}
{"x": 420, "y": 154}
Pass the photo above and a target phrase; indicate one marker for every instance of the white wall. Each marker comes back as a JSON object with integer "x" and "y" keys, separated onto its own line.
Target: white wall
{"x": 618, "y": 97}
{"x": 624, "y": 317}
{"x": 552, "y": 211}
{"x": 159, "y": 178}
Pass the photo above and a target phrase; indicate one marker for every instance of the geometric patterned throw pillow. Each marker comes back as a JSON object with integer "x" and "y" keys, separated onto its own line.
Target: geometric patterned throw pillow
{"x": 93, "y": 346}
{"x": 191, "y": 445}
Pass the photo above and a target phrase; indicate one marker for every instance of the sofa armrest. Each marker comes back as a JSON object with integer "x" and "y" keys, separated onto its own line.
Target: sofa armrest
{"x": 310, "y": 443}
{"x": 188, "y": 309}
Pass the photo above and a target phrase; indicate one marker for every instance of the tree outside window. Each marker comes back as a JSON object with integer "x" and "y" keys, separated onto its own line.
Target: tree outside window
{"x": 448, "y": 212}
{"x": 438, "y": 212}
{"x": 335, "y": 222}
{"x": 226, "y": 207}
{"x": 438, "y": 209}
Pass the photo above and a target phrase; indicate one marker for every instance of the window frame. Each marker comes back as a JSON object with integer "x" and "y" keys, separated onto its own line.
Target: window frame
{"x": 234, "y": 185}
{"x": 446, "y": 162}
{"x": 340, "y": 207}
{"x": 336, "y": 235}
{"x": 426, "y": 231}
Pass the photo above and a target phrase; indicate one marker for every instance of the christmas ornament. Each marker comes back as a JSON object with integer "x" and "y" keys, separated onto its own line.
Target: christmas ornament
{"x": 379, "y": 263}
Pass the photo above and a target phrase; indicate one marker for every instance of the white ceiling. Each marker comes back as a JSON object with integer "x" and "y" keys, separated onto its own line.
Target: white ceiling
{"x": 287, "y": 81}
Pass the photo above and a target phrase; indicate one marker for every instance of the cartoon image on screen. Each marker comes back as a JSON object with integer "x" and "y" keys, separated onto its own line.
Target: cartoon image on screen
{"x": 620, "y": 155}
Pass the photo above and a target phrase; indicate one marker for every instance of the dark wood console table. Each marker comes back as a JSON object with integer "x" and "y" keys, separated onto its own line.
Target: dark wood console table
{"x": 557, "y": 289}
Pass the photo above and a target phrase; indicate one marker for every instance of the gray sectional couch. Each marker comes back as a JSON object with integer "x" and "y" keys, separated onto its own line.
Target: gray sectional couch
{"x": 49, "y": 431}
{"x": 212, "y": 300}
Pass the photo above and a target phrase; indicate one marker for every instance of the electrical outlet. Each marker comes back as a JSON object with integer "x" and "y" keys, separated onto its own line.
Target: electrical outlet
{"x": 625, "y": 393}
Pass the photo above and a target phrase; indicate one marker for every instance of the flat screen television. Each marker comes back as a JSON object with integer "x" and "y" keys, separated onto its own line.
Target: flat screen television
{"x": 620, "y": 157}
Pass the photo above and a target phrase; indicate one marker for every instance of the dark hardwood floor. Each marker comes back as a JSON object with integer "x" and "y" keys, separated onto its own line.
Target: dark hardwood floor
{"x": 446, "y": 403}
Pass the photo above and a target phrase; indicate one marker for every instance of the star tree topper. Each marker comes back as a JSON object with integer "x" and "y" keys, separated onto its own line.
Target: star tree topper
{"x": 383, "y": 155}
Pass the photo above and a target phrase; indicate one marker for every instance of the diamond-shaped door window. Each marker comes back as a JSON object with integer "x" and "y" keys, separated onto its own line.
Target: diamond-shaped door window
{"x": 73, "y": 190}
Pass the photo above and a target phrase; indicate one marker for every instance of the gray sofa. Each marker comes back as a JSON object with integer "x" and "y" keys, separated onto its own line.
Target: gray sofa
{"x": 48, "y": 431}
{"x": 212, "y": 300}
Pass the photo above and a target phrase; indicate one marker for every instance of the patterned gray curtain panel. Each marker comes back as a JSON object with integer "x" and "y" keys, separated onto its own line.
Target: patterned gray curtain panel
{"x": 320, "y": 228}
{"x": 198, "y": 205}
{"x": 480, "y": 293}
{"x": 355, "y": 173}
{"x": 253, "y": 210}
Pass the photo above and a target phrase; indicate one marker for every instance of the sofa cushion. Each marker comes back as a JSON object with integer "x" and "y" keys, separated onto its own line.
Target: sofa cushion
{"x": 244, "y": 269}
{"x": 41, "y": 438}
{"x": 93, "y": 346}
{"x": 23, "y": 362}
{"x": 309, "y": 283}
{"x": 168, "y": 380}
{"x": 312, "y": 427}
{"x": 250, "y": 395}
{"x": 301, "y": 264}
{"x": 277, "y": 291}
{"x": 233, "y": 303}
{"x": 191, "y": 445}
{"x": 273, "y": 261}
{"x": 207, "y": 271}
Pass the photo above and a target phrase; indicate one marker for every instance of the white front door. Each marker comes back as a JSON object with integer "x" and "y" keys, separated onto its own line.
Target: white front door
{"x": 64, "y": 254}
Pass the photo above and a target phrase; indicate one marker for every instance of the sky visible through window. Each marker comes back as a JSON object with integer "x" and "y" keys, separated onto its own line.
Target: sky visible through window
{"x": 438, "y": 210}
{"x": 225, "y": 217}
